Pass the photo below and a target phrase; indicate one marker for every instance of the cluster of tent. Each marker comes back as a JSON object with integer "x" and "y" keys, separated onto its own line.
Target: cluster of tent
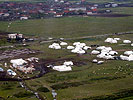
{"x": 107, "y": 52}
{"x": 77, "y": 47}
{"x": 115, "y": 40}
{"x": 104, "y": 53}
{"x": 66, "y": 66}
{"x": 112, "y": 40}
{"x": 101, "y": 52}
{"x": 128, "y": 55}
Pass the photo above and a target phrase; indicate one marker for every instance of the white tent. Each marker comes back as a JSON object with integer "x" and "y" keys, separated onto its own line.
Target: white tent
{"x": 113, "y": 53}
{"x": 108, "y": 39}
{"x": 130, "y": 58}
{"x": 102, "y": 54}
{"x": 124, "y": 57}
{"x": 76, "y": 43}
{"x": 86, "y": 47}
{"x": 18, "y": 62}
{"x": 100, "y": 62}
{"x": 81, "y": 52}
{"x": 78, "y": 50}
{"x": 128, "y": 52}
{"x": 109, "y": 57}
{"x": 94, "y": 60}
{"x": 100, "y": 47}
{"x": 68, "y": 63}
{"x": 95, "y": 52}
{"x": 126, "y": 41}
{"x": 79, "y": 44}
{"x": 105, "y": 55}
{"x": 55, "y": 46}
{"x": 117, "y": 39}
{"x": 70, "y": 47}
{"x": 62, "y": 68}
{"x": 111, "y": 40}
{"x": 63, "y": 43}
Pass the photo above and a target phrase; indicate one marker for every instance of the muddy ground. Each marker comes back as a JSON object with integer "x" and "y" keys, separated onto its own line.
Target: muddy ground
{"x": 20, "y": 53}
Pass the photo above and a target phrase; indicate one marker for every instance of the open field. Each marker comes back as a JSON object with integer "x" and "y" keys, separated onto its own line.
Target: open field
{"x": 70, "y": 26}
{"x": 23, "y": 0}
{"x": 121, "y": 10}
{"x": 9, "y": 90}
{"x": 91, "y": 1}
{"x": 86, "y": 80}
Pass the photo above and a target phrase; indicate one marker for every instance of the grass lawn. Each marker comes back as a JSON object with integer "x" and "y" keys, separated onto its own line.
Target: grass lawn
{"x": 121, "y": 10}
{"x": 87, "y": 80}
{"x": 70, "y": 27}
{"x": 9, "y": 89}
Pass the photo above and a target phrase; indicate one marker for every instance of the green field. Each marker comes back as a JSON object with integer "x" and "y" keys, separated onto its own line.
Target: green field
{"x": 87, "y": 80}
{"x": 121, "y": 10}
{"x": 9, "y": 91}
{"x": 92, "y": 1}
{"x": 70, "y": 27}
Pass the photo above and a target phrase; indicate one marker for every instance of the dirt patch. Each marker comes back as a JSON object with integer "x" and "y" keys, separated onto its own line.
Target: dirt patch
{"x": 8, "y": 54}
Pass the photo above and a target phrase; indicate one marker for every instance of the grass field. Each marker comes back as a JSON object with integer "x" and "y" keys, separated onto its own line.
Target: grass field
{"x": 8, "y": 90}
{"x": 92, "y": 1}
{"x": 87, "y": 80}
{"x": 121, "y": 10}
{"x": 70, "y": 27}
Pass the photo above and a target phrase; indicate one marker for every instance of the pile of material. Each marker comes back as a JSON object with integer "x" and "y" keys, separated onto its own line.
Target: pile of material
{"x": 15, "y": 53}
{"x": 26, "y": 66}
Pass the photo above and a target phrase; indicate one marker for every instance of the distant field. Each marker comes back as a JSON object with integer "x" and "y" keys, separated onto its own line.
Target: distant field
{"x": 70, "y": 26}
{"x": 87, "y": 80}
{"x": 23, "y": 0}
{"x": 93, "y": 1}
{"x": 121, "y": 10}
